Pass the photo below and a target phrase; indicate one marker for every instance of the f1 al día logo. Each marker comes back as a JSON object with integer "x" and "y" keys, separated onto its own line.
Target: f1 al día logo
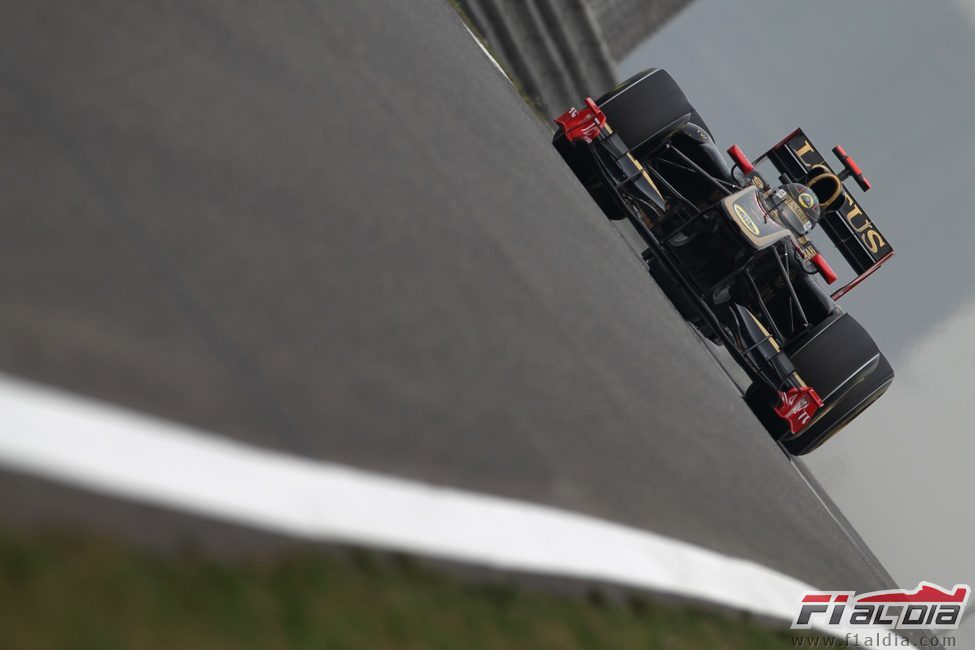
{"x": 929, "y": 607}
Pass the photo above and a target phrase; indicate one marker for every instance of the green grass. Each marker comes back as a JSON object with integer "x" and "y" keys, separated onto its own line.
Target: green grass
{"x": 79, "y": 592}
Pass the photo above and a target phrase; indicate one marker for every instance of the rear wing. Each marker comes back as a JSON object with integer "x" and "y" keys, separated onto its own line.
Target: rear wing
{"x": 844, "y": 222}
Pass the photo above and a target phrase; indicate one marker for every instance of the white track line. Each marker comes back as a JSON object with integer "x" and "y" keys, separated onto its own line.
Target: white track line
{"x": 122, "y": 453}
{"x": 488, "y": 54}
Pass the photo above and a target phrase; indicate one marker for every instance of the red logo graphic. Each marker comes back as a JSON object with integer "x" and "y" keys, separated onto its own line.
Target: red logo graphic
{"x": 927, "y": 607}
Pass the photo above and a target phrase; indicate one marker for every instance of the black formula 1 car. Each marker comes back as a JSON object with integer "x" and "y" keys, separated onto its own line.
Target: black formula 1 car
{"x": 732, "y": 250}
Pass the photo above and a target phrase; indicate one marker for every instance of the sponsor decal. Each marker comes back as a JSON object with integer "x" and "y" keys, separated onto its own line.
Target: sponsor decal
{"x": 807, "y": 200}
{"x": 808, "y": 251}
{"x": 746, "y": 220}
{"x": 929, "y": 607}
{"x": 848, "y": 209}
{"x": 807, "y": 225}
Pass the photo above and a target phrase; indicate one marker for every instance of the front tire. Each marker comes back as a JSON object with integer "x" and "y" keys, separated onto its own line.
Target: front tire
{"x": 841, "y": 361}
{"x": 852, "y": 405}
{"x": 647, "y": 106}
{"x": 640, "y": 109}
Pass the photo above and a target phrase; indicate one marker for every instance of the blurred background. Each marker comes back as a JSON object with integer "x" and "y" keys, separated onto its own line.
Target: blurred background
{"x": 333, "y": 237}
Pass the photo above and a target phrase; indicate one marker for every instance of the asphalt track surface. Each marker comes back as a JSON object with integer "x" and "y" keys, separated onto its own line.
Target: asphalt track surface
{"x": 333, "y": 228}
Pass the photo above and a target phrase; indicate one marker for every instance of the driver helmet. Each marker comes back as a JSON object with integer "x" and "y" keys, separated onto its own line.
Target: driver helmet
{"x": 797, "y": 205}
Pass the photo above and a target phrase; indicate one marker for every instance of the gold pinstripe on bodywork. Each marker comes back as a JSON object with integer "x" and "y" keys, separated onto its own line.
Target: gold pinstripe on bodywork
{"x": 775, "y": 344}
{"x": 638, "y": 164}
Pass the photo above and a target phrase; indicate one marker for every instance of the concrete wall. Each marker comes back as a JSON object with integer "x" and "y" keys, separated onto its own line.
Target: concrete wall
{"x": 562, "y": 50}
{"x": 626, "y": 23}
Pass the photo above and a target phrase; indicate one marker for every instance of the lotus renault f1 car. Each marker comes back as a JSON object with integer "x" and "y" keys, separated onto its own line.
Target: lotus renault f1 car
{"x": 732, "y": 249}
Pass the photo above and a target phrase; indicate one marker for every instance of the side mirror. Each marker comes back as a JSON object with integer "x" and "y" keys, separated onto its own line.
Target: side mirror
{"x": 850, "y": 168}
